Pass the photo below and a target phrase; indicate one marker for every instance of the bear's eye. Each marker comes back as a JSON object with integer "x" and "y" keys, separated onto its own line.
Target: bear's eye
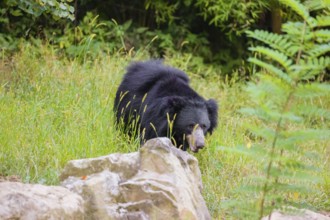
{"x": 191, "y": 126}
{"x": 203, "y": 126}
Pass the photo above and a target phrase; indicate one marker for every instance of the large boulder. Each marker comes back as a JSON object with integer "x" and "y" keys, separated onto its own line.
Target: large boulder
{"x": 35, "y": 201}
{"x": 158, "y": 182}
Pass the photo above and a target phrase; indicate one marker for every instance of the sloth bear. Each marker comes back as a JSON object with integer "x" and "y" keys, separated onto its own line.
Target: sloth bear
{"x": 155, "y": 100}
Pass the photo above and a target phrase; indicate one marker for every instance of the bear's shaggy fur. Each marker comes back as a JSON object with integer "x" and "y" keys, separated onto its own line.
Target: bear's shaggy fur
{"x": 155, "y": 100}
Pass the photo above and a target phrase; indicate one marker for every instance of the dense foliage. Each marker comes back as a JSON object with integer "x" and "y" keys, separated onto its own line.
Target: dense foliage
{"x": 208, "y": 30}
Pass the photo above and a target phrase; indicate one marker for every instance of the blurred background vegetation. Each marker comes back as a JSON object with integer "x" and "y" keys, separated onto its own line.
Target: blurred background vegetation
{"x": 210, "y": 30}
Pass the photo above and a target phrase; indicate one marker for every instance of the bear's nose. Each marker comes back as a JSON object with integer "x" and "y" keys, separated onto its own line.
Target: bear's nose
{"x": 200, "y": 144}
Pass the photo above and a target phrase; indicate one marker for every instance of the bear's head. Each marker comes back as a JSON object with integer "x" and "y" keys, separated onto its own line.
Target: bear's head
{"x": 193, "y": 119}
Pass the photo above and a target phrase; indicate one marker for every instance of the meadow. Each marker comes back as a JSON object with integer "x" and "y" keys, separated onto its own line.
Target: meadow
{"x": 53, "y": 110}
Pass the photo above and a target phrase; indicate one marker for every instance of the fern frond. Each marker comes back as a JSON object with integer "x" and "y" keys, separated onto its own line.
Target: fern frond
{"x": 320, "y": 62}
{"x": 255, "y": 112}
{"x": 306, "y": 135}
{"x": 297, "y": 175}
{"x": 289, "y": 116}
{"x": 266, "y": 133}
{"x": 313, "y": 5}
{"x": 322, "y": 35}
{"x": 294, "y": 29}
{"x": 275, "y": 41}
{"x": 318, "y": 50}
{"x": 308, "y": 69}
{"x": 263, "y": 96}
{"x": 299, "y": 8}
{"x": 272, "y": 69}
{"x": 263, "y": 92}
{"x": 266, "y": 114}
{"x": 312, "y": 90}
{"x": 274, "y": 55}
{"x": 323, "y": 21}
{"x": 286, "y": 187}
{"x": 312, "y": 111}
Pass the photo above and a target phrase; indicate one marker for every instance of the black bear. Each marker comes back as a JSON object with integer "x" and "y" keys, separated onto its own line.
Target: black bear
{"x": 155, "y": 100}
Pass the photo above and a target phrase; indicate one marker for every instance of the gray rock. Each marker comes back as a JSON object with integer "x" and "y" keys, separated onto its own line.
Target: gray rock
{"x": 125, "y": 165}
{"x": 34, "y": 201}
{"x": 158, "y": 182}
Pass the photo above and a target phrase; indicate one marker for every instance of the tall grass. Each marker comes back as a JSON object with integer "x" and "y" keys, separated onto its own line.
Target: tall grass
{"x": 54, "y": 110}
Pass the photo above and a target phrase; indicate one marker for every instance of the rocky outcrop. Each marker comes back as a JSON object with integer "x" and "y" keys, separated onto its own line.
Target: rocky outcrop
{"x": 34, "y": 201}
{"x": 158, "y": 182}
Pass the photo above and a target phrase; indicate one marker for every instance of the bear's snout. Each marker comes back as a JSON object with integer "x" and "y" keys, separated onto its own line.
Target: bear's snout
{"x": 196, "y": 139}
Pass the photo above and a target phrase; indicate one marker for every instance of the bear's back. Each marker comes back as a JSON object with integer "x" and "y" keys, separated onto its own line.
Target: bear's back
{"x": 141, "y": 77}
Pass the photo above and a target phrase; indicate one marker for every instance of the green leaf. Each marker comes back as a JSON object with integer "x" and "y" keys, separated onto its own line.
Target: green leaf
{"x": 276, "y": 41}
{"x": 290, "y": 140}
{"x": 312, "y": 90}
{"x": 62, "y": 6}
{"x": 274, "y": 55}
{"x": 292, "y": 163}
{"x": 141, "y": 30}
{"x": 295, "y": 30}
{"x": 313, "y": 5}
{"x": 322, "y": 35}
{"x": 259, "y": 113}
{"x": 312, "y": 111}
{"x": 297, "y": 175}
{"x": 271, "y": 90}
{"x": 284, "y": 187}
{"x": 299, "y": 8}
{"x": 273, "y": 115}
{"x": 318, "y": 50}
{"x": 16, "y": 12}
{"x": 303, "y": 136}
{"x": 307, "y": 69}
{"x": 272, "y": 69}
{"x": 323, "y": 21}
{"x": 266, "y": 133}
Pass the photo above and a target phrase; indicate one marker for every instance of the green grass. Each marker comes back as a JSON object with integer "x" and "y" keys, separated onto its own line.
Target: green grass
{"x": 54, "y": 110}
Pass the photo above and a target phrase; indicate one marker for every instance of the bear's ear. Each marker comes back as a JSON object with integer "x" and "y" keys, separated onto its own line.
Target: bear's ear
{"x": 212, "y": 109}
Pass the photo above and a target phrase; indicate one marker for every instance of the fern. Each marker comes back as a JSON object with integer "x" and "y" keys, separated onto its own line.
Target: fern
{"x": 323, "y": 21}
{"x": 319, "y": 50}
{"x": 275, "y": 41}
{"x": 275, "y": 55}
{"x": 322, "y": 35}
{"x": 313, "y": 5}
{"x": 272, "y": 69}
{"x": 297, "y": 7}
{"x": 289, "y": 66}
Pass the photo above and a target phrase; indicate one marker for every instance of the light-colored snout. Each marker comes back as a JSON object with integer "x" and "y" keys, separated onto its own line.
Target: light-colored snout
{"x": 196, "y": 139}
